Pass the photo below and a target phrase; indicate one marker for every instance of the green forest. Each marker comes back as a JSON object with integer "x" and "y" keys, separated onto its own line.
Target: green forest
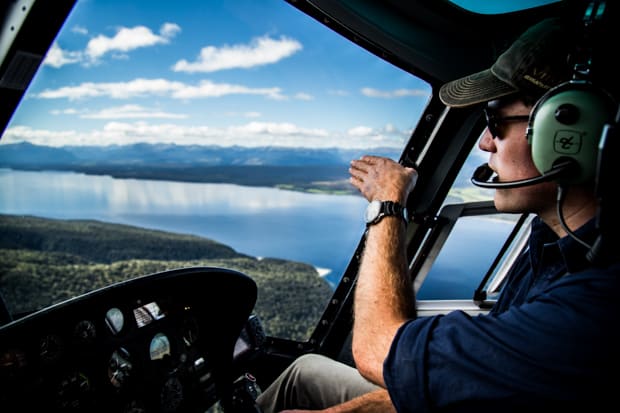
{"x": 45, "y": 261}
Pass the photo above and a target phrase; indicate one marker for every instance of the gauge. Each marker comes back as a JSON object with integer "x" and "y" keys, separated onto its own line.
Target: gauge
{"x": 115, "y": 320}
{"x": 50, "y": 348}
{"x": 119, "y": 368}
{"x": 85, "y": 331}
{"x": 147, "y": 313}
{"x": 73, "y": 391}
{"x": 160, "y": 347}
{"x": 12, "y": 364}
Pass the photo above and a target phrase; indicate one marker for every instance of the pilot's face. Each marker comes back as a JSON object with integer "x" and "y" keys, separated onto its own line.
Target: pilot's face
{"x": 510, "y": 157}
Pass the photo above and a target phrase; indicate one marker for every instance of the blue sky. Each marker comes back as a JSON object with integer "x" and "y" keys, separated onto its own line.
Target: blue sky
{"x": 237, "y": 72}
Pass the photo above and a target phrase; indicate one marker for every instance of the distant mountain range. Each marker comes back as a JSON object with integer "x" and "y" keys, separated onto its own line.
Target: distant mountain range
{"x": 292, "y": 168}
{"x": 27, "y": 154}
{"x": 301, "y": 169}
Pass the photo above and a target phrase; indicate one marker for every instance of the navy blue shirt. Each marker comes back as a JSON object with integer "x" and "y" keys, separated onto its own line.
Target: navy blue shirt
{"x": 551, "y": 339}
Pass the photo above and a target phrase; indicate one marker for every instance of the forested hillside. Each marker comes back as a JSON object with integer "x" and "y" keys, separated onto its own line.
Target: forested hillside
{"x": 44, "y": 261}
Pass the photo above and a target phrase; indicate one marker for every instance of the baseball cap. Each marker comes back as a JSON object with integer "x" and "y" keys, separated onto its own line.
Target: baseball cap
{"x": 535, "y": 62}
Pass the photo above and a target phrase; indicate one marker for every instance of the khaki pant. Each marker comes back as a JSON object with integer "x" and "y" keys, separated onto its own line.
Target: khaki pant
{"x": 313, "y": 382}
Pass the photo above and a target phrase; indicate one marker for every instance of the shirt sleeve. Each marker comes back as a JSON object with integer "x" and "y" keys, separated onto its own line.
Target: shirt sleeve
{"x": 555, "y": 346}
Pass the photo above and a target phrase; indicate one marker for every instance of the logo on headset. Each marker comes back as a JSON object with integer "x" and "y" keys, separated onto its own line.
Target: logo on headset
{"x": 567, "y": 142}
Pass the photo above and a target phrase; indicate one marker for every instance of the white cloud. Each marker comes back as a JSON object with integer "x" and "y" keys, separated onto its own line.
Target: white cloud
{"x": 57, "y": 57}
{"x": 127, "y": 39}
{"x": 277, "y": 129}
{"x": 388, "y": 135}
{"x": 43, "y": 136}
{"x": 169, "y": 30}
{"x": 208, "y": 89}
{"x": 131, "y": 112}
{"x": 80, "y": 30}
{"x": 244, "y": 114}
{"x": 68, "y": 111}
{"x": 251, "y": 134}
{"x": 392, "y": 94}
{"x": 360, "y": 131}
{"x": 303, "y": 96}
{"x": 261, "y": 51}
{"x": 156, "y": 87}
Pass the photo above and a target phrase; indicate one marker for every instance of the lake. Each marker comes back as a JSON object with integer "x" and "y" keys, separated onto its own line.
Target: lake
{"x": 318, "y": 229}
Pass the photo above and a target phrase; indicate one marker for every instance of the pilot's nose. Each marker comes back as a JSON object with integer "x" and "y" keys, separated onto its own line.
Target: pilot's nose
{"x": 486, "y": 142}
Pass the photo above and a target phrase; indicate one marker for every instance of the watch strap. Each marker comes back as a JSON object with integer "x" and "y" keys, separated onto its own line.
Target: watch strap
{"x": 391, "y": 208}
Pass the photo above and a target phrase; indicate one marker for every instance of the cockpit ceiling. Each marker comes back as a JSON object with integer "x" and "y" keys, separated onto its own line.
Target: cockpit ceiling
{"x": 435, "y": 40}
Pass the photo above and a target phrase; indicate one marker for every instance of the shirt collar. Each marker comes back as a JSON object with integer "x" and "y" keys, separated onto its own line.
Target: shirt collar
{"x": 572, "y": 252}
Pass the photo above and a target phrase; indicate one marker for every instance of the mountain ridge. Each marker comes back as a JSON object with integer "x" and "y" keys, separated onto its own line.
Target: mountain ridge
{"x": 300, "y": 169}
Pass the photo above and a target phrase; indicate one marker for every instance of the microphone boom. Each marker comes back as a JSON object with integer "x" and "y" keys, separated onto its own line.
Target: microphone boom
{"x": 483, "y": 173}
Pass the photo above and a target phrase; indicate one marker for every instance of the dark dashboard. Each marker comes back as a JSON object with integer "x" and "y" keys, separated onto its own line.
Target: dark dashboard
{"x": 159, "y": 343}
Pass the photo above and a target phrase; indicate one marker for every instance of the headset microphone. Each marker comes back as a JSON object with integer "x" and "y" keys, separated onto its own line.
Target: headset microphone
{"x": 483, "y": 173}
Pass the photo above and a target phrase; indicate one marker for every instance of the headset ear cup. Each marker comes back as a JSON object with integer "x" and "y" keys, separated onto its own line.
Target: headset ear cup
{"x": 566, "y": 124}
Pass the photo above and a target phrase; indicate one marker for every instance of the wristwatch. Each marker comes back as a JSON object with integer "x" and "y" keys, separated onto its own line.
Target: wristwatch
{"x": 378, "y": 209}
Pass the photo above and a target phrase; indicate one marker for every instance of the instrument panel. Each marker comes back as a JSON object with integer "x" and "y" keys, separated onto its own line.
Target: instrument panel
{"x": 158, "y": 343}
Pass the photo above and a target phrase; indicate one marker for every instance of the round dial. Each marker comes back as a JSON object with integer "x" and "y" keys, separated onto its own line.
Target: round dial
{"x": 160, "y": 347}
{"x": 115, "y": 320}
{"x": 372, "y": 211}
{"x": 85, "y": 331}
{"x": 119, "y": 368}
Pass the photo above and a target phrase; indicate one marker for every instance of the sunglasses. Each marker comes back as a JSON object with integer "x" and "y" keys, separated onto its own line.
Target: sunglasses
{"x": 495, "y": 122}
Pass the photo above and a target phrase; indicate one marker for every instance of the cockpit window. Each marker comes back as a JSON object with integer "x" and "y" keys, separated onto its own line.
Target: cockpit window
{"x": 164, "y": 135}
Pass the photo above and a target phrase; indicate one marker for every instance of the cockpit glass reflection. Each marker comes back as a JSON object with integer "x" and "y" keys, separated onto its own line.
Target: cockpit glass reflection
{"x": 160, "y": 347}
{"x": 115, "y": 320}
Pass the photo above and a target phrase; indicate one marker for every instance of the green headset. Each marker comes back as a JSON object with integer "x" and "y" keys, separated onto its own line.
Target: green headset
{"x": 568, "y": 123}
{"x": 565, "y": 128}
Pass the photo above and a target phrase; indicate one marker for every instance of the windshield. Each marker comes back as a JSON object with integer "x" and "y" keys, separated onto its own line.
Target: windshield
{"x": 160, "y": 135}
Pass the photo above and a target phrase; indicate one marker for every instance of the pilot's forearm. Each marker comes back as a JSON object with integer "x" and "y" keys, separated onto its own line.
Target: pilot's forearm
{"x": 383, "y": 296}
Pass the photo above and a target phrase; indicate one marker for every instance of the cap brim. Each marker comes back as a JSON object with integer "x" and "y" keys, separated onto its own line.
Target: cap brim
{"x": 474, "y": 89}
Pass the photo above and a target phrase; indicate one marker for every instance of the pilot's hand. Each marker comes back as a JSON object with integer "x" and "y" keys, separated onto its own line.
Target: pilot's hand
{"x": 379, "y": 178}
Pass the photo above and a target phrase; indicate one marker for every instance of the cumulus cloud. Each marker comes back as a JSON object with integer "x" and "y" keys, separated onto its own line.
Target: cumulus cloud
{"x": 80, "y": 30}
{"x": 169, "y": 30}
{"x": 43, "y": 136}
{"x": 127, "y": 39}
{"x": 392, "y": 94}
{"x": 251, "y": 114}
{"x": 156, "y": 87}
{"x": 252, "y": 134}
{"x": 208, "y": 89}
{"x": 260, "y": 51}
{"x": 388, "y": 135}
{"x": 131, "y": 112}
{"x": 57, "y": 57}
{"x": 68, "y": 111}
{"x": 303, "y": 96}
{"x": 360, "y": 131}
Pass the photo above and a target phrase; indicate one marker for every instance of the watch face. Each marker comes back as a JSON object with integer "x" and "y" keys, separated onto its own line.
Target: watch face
{"x": 372, "y": 211}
